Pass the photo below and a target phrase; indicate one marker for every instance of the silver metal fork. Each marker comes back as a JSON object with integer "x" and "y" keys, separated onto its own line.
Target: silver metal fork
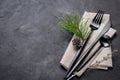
{"x": 97, "y": 20}
{"x": 94, "y": 26}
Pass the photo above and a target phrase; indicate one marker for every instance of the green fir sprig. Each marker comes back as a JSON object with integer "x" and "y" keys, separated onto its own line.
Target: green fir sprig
{"x": 73, "y": 24}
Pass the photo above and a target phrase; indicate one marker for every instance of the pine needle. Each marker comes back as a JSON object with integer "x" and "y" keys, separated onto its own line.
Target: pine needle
{"x": 71, "y": 23}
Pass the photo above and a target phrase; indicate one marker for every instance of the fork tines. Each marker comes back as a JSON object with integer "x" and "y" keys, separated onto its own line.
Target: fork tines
{"x": 97, "y": 20}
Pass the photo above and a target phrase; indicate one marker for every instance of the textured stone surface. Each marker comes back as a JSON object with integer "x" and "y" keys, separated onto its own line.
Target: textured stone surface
{"x": 32, "y": 44}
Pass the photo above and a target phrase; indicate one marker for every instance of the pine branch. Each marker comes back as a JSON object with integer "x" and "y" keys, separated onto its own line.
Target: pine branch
{"x": 72, "y": 24}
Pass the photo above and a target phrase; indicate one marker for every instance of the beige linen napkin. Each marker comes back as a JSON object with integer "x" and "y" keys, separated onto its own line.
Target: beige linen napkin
{"x": 71, "y": 51}
{"x": 104, "y": 58}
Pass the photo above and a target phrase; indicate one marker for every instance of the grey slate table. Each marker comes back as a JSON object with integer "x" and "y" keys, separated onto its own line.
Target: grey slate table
{"x": 32, "y": 44}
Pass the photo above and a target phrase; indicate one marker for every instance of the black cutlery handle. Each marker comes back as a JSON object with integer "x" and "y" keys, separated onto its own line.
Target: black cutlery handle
{"x": 86, "y": 60}
{"x": 76, "y": 57}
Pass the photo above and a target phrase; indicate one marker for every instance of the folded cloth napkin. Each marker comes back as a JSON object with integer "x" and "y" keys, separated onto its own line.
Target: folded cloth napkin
{"x": 104, "y": 59}
{"x": 71, "y": 51}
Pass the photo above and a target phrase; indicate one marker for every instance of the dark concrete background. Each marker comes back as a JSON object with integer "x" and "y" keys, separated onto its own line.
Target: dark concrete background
{"x": 32, "y": 44}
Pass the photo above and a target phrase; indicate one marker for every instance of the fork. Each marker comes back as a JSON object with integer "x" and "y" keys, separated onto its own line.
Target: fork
{"x": 97, "y": 20}
{"x": 94, "y": 26}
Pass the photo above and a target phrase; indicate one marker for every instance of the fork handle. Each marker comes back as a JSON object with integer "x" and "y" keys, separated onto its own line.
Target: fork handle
{"x": 76, "y": 57}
